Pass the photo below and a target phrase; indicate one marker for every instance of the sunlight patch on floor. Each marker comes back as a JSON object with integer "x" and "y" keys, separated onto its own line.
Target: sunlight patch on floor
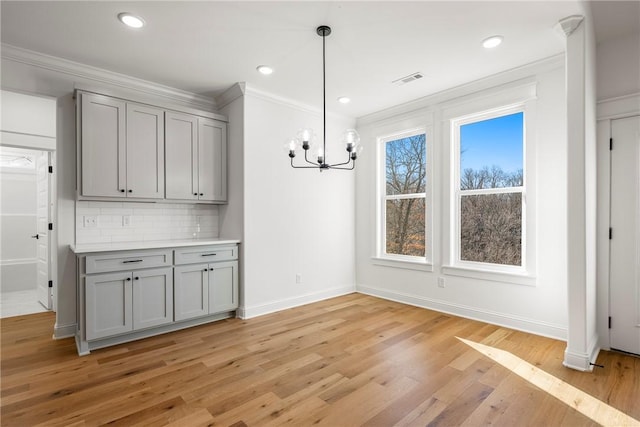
{"x": 584, "y": 403}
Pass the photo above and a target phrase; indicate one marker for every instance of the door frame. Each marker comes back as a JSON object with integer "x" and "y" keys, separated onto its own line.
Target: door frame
{"x": 53, "y": 210}
{"x": 607, "y": 111}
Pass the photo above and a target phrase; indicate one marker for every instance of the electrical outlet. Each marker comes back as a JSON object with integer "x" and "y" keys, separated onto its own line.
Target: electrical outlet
{"x": 126, "y": 220}
{"x": 298, "y": 279}
{"x": 441, "y": 282}
{"x": 90, "y": 221}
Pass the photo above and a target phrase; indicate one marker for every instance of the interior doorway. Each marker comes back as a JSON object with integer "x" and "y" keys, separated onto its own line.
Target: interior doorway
{"x": 624, "y": 247}
{"x": 26, "y": 209}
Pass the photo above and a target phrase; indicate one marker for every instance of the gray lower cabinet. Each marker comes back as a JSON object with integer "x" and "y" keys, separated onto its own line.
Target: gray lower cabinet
{"x": 122, "y": 302}
{"x": 133, "y": 294}
{"x": 205, "y": 288}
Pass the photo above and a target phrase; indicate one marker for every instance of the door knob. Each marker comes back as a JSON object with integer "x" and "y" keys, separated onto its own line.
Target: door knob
{"x": 37, "y": 236}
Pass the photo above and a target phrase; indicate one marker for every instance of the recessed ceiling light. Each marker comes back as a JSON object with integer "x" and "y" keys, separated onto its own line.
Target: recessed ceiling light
{"x": 344, "y": 100}
{"x": 491, "y": 42}
{"x": 264, "y": 69}
{"x": 131, "y": 20}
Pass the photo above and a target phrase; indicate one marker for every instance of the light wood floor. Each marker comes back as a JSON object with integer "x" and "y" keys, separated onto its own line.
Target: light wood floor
{"x": 353, "y": 360}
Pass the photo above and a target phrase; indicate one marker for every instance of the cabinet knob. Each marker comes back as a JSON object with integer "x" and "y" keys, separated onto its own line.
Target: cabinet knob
{"x": 206, "y": 269}
{"x": 128, "y": 279}
{"x": 195, "y": 194}
{"x": 122, "y": 190}
{"x": 130, "y": 191}
{"x": 201, "y": 194}
{"x": 211, "y": 269}
{"x": 137, "y": 278}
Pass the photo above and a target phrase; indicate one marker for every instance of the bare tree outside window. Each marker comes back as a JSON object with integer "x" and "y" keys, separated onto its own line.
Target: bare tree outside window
{"x": 405, "y": 183}
{"x": 490, "y": 197}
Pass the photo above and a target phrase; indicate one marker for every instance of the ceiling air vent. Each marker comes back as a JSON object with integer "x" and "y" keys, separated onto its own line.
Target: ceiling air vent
{"x": 408, "y": 79}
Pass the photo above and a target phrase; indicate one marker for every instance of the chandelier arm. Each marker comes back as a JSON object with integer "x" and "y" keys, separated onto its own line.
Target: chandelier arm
{"x": 302, "y": 167}
{"x": 307, "y": 160}
{"x": 353, "y": 165}
{"x": 344, "y": 163}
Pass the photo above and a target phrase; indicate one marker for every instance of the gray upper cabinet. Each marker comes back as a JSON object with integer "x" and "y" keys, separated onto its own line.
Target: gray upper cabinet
{"x": 196, "y": 165}
{"x": 132, "y": 151}
{"x": 212, "y": 160}
{"x": 122, "y": 149}
{"x": 145, "y": 152}
{"x": 102, "y": 148}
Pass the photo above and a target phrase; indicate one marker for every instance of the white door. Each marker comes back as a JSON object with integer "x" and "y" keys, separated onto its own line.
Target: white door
{"x": 43, "y": 235}
{"x": 625, "y": 239}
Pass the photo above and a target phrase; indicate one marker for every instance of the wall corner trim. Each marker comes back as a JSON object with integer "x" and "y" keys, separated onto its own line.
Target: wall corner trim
{"x": 569, "y": 24}
{"x": 228, "y": 96}
{"x": 582, "y": 361}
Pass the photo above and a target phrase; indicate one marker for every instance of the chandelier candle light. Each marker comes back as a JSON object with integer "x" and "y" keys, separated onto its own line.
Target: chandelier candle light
{"x": 306, "y": 139}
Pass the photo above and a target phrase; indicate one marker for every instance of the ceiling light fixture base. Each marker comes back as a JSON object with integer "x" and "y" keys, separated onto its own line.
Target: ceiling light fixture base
{"x": 323, "y": 30}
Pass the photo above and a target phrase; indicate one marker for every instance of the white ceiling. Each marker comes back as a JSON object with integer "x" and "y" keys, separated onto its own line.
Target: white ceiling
{"x": 205, "y": 47}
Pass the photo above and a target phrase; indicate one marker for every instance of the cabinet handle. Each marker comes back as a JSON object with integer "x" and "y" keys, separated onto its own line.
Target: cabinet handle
{"x": 202, "y": 194}
{"x": 128, "y": 279}
{"x": 122, "y": 190}
{"x": 130, "y": 191}
{"x": 211, "y": 269}
{"x": 195, "y": 194}
{"x": 205, "y": 269}
{"x": 131, "y": 260}
{"x": 208, "y": 255}
{"x": 136, "y": 278}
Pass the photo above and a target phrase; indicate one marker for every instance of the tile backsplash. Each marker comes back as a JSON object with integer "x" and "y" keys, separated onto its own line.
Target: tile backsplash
{"x": 103, "y": 222}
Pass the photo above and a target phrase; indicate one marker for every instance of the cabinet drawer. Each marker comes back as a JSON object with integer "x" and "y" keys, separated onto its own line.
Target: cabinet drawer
{"x": 205, "y": 254}
{"x": 128, "y": 261}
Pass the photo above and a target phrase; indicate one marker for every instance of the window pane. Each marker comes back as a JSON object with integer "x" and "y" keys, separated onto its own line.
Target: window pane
{"x": 406, "y": 165}
{"x": 491, "y": 228}
{"x": 491, "y": 153}
{"x": 405, "y": 227}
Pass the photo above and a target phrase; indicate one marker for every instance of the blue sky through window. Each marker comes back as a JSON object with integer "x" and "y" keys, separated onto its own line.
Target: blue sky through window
{"x": 497, "y": 141}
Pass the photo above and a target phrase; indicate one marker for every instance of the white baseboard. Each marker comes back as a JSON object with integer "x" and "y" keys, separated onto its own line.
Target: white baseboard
{"x": 66, "y": 331}
{"x": 514, "y": 322}
{"x": 582, "y": 361}
{"x": 283, "y": 304}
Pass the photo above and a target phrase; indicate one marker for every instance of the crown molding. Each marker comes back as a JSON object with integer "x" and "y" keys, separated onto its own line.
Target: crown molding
{"x": 569, "y": 24}
{"x": 457, "y": 92}
{"x": 228, "y": 96}
{"x": 287, "y": 102}
{"x": 105, "y": 77}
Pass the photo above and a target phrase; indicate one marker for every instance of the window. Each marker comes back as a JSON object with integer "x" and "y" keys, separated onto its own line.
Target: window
{"x": 403, "y": 201}
{"x": 489, "y": 190}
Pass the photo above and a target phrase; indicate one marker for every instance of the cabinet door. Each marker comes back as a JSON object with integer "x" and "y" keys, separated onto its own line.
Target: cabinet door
{"x": 108, "y": 304}
{"x": 102, "y": 146}
{"x": 212, "y": 160}
{"x": 223, "y": 286}
{"x": 191, "y": 291}
{"x": 181, "y": 163}
{"x": 152, "y": 297}
{"x": 145, "y": 152}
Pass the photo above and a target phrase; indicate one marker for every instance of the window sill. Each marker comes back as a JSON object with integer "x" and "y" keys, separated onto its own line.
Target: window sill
{"x": 402, "y": 263}
{"x": 494, "y": 276}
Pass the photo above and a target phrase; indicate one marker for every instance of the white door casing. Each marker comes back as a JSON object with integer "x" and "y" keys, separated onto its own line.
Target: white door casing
{"x": 624, "y": 273}
{"x": 43, "y": 236}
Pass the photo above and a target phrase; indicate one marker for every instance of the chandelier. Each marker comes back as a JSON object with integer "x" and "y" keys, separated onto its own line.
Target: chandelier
{"x": 306, "y": 138}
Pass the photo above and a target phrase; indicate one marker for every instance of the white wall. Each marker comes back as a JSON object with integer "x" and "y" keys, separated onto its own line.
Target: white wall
{"x": 295, "y": 221}
{"x": 540, "y": 308}
{"x": 618, "y": 66}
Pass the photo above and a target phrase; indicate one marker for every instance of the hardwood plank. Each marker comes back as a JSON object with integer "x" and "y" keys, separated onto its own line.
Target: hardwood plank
{"x": 352, "y": 360}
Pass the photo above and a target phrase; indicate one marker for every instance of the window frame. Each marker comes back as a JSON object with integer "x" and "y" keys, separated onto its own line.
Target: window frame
{"x": 456, "y": 194}
{"x": 381, "y": 257}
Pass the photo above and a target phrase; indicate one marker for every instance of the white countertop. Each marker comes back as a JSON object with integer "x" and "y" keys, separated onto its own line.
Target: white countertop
{"x": 158, "y": 244}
